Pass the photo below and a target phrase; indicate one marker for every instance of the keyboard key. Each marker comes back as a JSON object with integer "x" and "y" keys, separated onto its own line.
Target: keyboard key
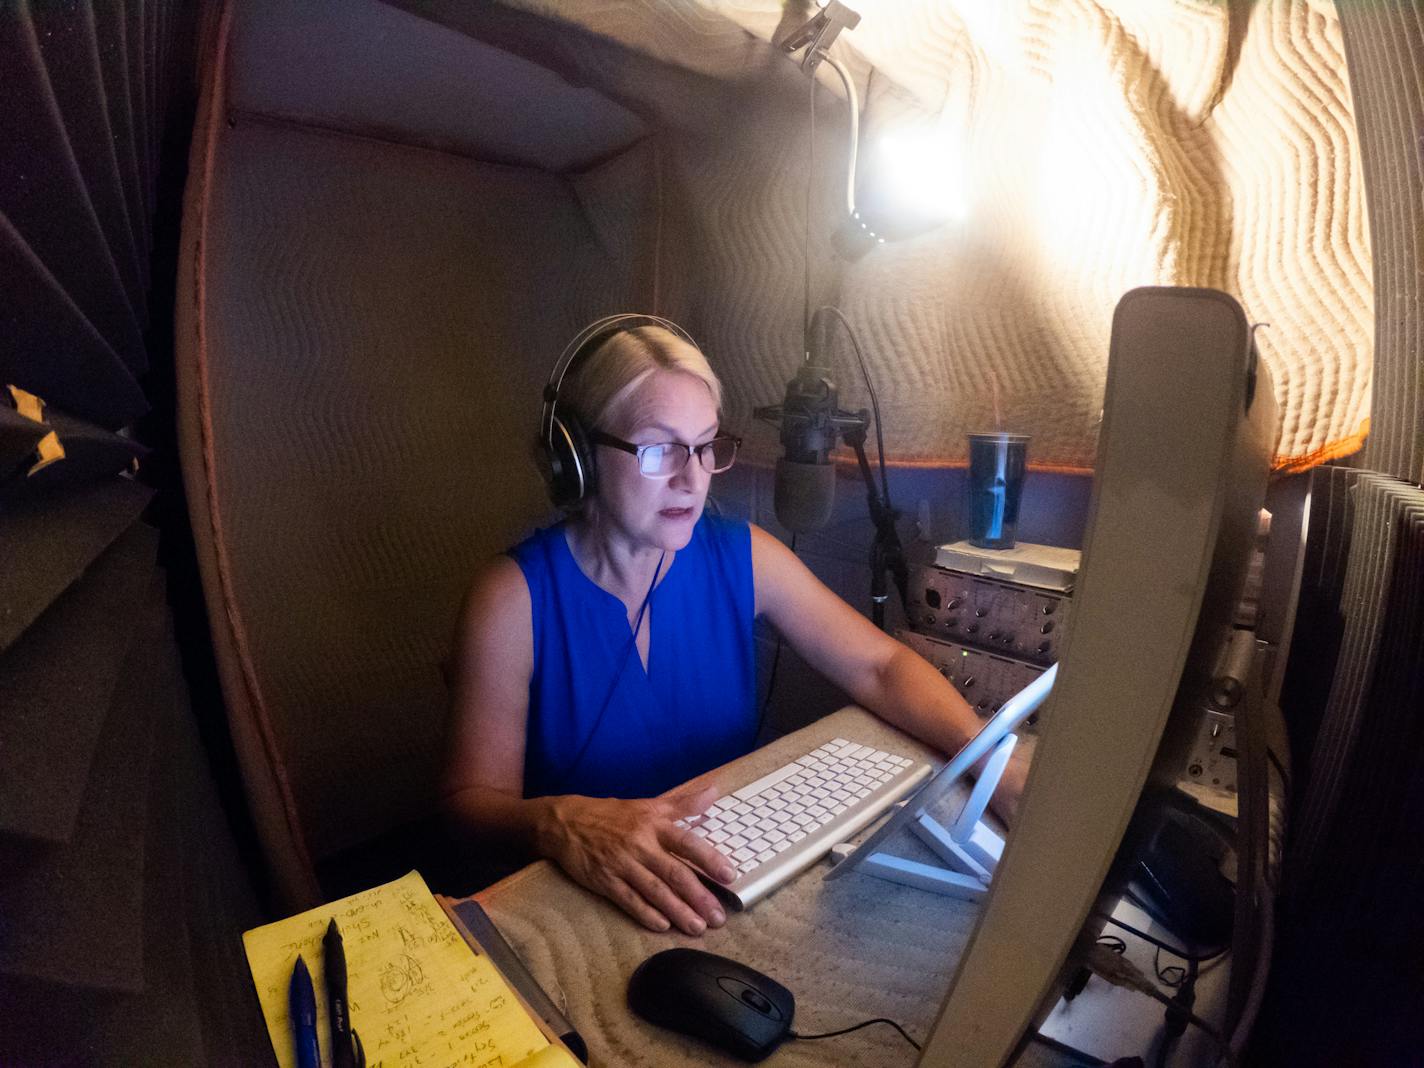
{"x": 820, "y": 797}
{"x": 753, "y": 789}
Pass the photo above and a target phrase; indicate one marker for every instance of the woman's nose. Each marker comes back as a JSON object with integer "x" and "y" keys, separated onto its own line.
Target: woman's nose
{"x": 693, "y": 475}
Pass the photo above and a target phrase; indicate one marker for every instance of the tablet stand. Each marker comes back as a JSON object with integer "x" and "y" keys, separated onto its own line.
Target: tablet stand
{"x": 969, "y": 847}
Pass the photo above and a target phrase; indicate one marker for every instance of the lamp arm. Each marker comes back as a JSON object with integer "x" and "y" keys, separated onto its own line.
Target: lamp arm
{"x": 854, "y": 102}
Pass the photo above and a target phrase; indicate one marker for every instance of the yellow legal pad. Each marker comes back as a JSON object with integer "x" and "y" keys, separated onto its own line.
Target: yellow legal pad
{"x": 419, "y": 993}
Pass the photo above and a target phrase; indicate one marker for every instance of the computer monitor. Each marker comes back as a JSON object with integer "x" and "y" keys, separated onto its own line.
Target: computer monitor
{"x": 1189, "y": 425}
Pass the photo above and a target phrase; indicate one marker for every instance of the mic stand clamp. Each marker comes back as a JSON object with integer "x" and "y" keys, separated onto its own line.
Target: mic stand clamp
{"x": 886, "y": 553}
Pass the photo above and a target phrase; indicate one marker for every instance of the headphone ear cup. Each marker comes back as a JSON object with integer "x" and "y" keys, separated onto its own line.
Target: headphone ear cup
{"x": 571, "y": 462}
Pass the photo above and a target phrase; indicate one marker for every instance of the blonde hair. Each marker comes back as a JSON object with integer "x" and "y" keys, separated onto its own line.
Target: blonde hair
{"x": 610, "y": 374}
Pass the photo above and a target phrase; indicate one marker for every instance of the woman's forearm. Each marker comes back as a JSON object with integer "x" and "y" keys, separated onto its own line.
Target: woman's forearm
{"x": 909, "y": 693}
{"x": 500, "y": 818}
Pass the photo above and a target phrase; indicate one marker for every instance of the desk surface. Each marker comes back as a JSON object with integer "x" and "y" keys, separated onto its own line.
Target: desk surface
{"x": 850, "y": 950}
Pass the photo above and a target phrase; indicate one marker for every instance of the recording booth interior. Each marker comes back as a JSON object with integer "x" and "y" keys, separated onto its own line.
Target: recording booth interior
{"x": 282, "y": 284}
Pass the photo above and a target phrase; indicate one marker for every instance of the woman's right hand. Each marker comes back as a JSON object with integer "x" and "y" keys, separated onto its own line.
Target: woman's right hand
{"x": 634, "y": 854}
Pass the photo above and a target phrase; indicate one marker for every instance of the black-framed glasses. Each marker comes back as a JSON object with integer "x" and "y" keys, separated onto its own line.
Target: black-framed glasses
{"x": 666, "y": 458}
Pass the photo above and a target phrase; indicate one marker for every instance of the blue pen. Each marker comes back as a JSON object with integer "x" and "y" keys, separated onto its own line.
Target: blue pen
{"x": 301, "y": 1005}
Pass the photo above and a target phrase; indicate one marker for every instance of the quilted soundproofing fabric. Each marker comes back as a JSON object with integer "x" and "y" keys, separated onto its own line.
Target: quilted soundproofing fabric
{"x": 1105, "y": 144}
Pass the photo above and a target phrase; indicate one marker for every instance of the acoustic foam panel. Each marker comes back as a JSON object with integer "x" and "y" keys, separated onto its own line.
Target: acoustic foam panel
{"x": 69, "y": 45}
{"x": 58, "y": 680}
{"x": 50, "y": 348}
{"x": 75, "y": 910}
{"x": 43, "y": 193}
{"x": 47, "y": 544}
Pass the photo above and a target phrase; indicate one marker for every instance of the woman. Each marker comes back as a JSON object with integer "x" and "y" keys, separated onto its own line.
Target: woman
{"x": 563, "y": 743}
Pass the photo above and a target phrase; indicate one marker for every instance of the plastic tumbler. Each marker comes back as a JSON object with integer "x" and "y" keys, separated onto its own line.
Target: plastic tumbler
{"x": 996, "y": 476}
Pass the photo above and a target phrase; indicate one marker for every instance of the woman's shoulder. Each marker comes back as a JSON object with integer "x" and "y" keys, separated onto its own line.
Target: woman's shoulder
{"x": 499, "y": 588}
{"x": 723, "y": 529}
{"x": 538, "y": 543}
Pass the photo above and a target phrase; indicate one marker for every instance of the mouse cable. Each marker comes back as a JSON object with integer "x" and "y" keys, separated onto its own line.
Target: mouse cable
{"x": 856, "y": 1027}
{"x": 1200, "y": 958}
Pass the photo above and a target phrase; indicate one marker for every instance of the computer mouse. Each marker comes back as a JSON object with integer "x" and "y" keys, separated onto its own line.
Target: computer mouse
{"x": 716, "y": 999}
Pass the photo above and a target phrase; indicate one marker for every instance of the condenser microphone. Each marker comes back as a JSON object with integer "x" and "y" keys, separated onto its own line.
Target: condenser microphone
{"x": 810, "y": 421}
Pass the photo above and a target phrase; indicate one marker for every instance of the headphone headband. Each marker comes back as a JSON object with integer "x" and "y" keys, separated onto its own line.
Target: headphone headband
{"x": 563, "y": 441}
{"x": 586, "y": 340}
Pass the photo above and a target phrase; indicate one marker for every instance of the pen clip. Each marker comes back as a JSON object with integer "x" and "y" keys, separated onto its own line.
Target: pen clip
{"x": 358, "y": 1049}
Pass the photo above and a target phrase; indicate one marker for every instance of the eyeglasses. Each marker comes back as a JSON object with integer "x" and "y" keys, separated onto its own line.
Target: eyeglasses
{"x": 667, "y": 458}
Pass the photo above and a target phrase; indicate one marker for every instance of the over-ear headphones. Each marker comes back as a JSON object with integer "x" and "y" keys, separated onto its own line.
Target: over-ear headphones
{"x": 564, "y": 445}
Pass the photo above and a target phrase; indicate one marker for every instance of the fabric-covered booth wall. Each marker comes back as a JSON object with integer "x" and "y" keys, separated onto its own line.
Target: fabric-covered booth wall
{"x": 365, "y": 325}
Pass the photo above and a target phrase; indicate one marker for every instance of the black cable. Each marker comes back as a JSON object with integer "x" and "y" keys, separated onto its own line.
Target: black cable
{"x": 1173, "y": 975}
{"x": 1223, "y": 1049}
{"x": 874, "y": 400}
{"x": 1120, "y": 971}
{"x": 771, "y": 682}
{"x": 1200, "y": 958}
{"x": 806, "y": 239}
{"x": 856, "y": 1027}
{"x": 1114, "y": 943}
{"x": 617, "y": 675}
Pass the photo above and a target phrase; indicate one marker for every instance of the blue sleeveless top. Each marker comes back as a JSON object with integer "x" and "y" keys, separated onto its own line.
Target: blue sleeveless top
{"x": 692, "y": 709}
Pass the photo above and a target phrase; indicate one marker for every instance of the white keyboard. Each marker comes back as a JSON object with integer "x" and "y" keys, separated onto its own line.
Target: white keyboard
{"x": 778, "y": 826}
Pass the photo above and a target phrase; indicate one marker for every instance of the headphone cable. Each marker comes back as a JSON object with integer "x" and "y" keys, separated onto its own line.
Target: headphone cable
{"x": 618, "y": 672}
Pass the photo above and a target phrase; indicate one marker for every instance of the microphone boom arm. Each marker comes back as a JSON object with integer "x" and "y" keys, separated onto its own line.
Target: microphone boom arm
{"x": 886, "y": 552}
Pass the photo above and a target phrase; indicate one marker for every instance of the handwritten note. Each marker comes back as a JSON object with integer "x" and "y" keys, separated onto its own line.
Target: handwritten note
{"x": 420, "y": 996}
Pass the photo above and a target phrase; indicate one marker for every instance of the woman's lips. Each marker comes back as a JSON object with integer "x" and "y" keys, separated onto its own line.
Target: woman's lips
{"x": 675, "y": 513}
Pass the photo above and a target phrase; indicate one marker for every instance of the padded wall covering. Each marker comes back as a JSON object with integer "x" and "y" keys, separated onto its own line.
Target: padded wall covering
{"x": 1385, "y": 43}
{"x": 370, "y": 310}
{"x": 1105, "y": 144}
